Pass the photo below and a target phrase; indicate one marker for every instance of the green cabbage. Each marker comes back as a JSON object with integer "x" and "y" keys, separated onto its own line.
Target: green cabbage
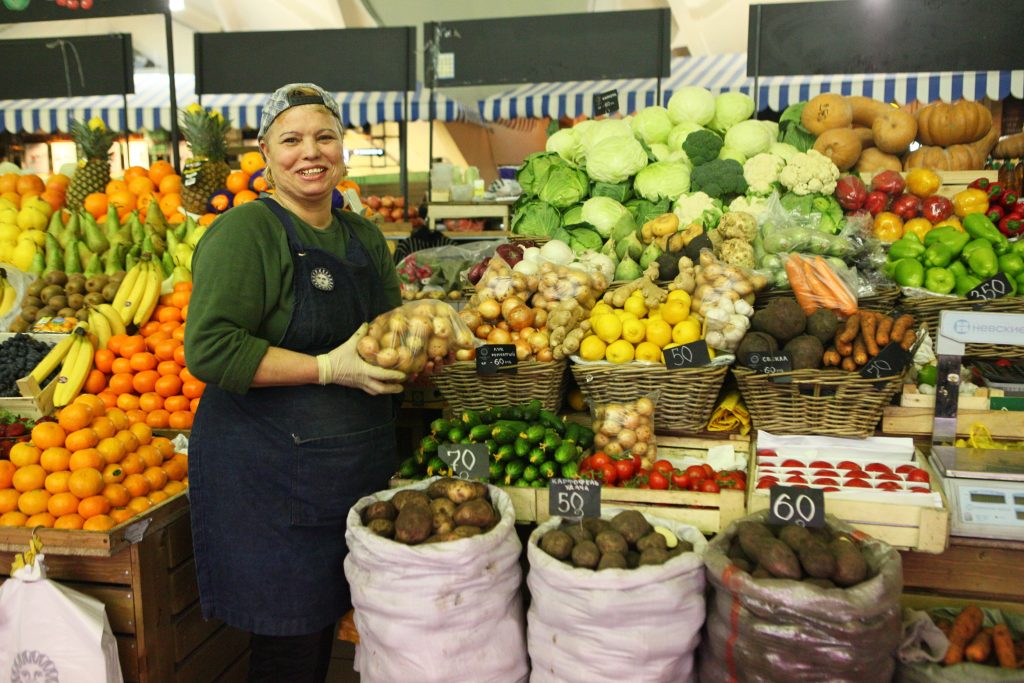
{"x": 749, "y": 138}
{"x": 608, "y": 216}
{"x": 602, "y": 130}
{"x": 651, "y": 125}
{"x": 564, "y": 186}
{"x": 620, "y": 192}
{"x": 535, "y": 169}
{"x": 566, "y": 144}
{"x": 692, "y": 103}
{"x": 662, "y": 180}
{"x": 644, "y": 210}
{"x": 732, "y": 153}
{"x": 784, "y": 150}
{"x": 535, "y": 218}
{"x": 730, "y": 109}
{"x": 614, "y": 159}
{"x": 572, "y": 215}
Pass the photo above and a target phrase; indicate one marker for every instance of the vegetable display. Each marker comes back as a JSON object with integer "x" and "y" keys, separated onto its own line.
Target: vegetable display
{"x": 626, "y": 541}
{"x": 407, "y": 337}
{"x": 449, "y": 510}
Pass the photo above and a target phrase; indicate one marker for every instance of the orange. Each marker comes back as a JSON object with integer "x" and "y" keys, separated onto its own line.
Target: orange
{"x": 139, "y": 504}
{"x": 86, "y": 457}
{"x": 47, "y": 434}
{"x": 160, "y": 169}
{"x": 164, "y": 446}
{"x": 57, "y": 482}
{"x": 194, "y": 405}
{"x": 92, "y": 506}
{"x": 115, "y": 186}
{"x": 157, "y": 497}
{"x": 120, "y": 515}
{"x": 133, "y": 172}
{"x": 124, "y": 201}
{"x": 104, "y": 427}
{"x": 43, "y": 519}
{"x": 244, "y": 197}
{"x": 175, "y": 471}
{"x": 170, "y": 183}
{"x": 167, "y": 314}
{"x": 136, "y": 416}
{"x": 82, "y": 438}
{"x": 149, "y": 328}
{"x": 156, "y": 336}
{"x": 180, "y": 298}
{"x": 29, "y": 183}
{"x": 168, "y": 386}
{"x": 108, "y": 397}
{"x": 141, "y": 186}
{"x": 13, "y": 518}
{"x": 182, "y": 458}
{"x": 142, "y": 361}
{"x": 143, "y": 433}
{"x": 74, "y": 417}
{"x": 58, "y": 181}
{"x": 54, "y": 199}
{"x": 136, "y": 484}
{"x": 7, "y": 469}
{"x": 117, "y": 416}
{"x": 156, "y": 477}
{"x": 113, "y": 474}
{"x": 145, "y": 381}
{"x": 117, "y": 494}
{"x": 132, "y": 345}
{"x": 114, "y": 344}
{"x": 132, "y": 464}
{"x": 70, "y": 521}
{"x": 169, "y": 203}
{"x": 9, "y": 500}
{"x": 173, "y": 404}
{"x": 151, "y": 401}
{"x": 85, "y": 482}
{"x": 112, "y": 450}
{"x": 128, "y": 402}
{"x": 96, "y": 204}
{"x": 34, "y": 502}
{"x": 24, "y": 453}
{"x": 61, "y": 504}
{"x": 9, "y": 182}
{"x": 168, "y": 367}
{"x": 251, "y": 162}
{"x": 179, "y": 332}
{"x": 121, "y": 366}
{"x": 150, "y": 455}
{"x": 95, "y": 402}
{"x": 104, "y": 360}
{"x": 101, "y": 522}
{"x": 237, "y": 181}
{"x": 159, "y": 419}
{"x": 192, "y": 388}
{"x": 29, "y": 478}
{"x": 56, "y": 459}
{"x": 121, "y": 384}
{"x": 179, "y": 355}
{"x": 180, "y": 419}
{"x": 173, "y": 488}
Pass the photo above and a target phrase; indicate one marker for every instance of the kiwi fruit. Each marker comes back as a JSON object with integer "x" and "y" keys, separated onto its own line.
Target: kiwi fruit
{"x": 20, "y": 325}
{"x": 50, "y": 291}
{"x": 36, "y": 287}
{"x": 82, "y": 313}
{"x": 32, "y": 301}
{"x": 67, "y": 312}
{"x": 76, "y": 300}
{"x": 94, "y": 298}
{"x": 118, "y": 276}
{"x": 56, "y": 277}
{"x": 30, "y": 313}
{"x": 59, "y": 301}
{"x": 75, "y": 287}
{"x": 46, "y": 312}
{"x": 96, "y": 283}
{"x": 109, "y": 291}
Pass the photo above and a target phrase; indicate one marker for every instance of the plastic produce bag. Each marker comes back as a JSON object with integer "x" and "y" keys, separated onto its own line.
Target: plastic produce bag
{"x": 627, "y": 427}
{"x": 49, "y": 632}
{"x": 724, "y": 297}
{"x": 438, "y": 269}
{"x": 928, "y": 672}
{"x": 615, "y": 625}
{"x": 817, "y": 284}
{"x": 787, "y": 631}
{"x": 440, "y": 611}
{"x": 20, "y": 282}
{"x": 405, "y": 338}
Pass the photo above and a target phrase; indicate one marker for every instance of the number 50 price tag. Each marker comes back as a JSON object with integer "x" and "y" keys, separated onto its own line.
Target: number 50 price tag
{"x": 574, "y": 498}
{"x": 795, "y": 505}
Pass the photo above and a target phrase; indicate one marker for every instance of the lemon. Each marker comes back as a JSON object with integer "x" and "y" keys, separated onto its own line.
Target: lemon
{"x": 608, "y": 327}
{"x": 679, "y": 295}
{"x": 633, "y": 330}
{"x": 636, "y": 306}
{"x": 600, "y": 308}
{"x": 36, "y": 236}
{"x": 9, "y": 232}
{"x": 40, "y": 205}
{"x": 8, "y": 216}
{"x": 31, "y": 218}
{"x": 674, "y": 312}
{"x": 592, "y": 348}
{"x": 619, "y": 352}
{"x": 686, "y": 332}
{"x": 7, "y": 204}
{"x": 23, "y": 254}
{"x": 654, "y": 315}
{"x": 659, "y": 333}
{"x": 649, "y": 352}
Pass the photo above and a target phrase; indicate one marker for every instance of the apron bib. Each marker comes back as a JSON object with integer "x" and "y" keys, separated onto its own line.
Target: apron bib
{"x": 273, "y": 473}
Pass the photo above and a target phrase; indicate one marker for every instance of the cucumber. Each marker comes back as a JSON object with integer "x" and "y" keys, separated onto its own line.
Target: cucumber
{"x": 565, "y": 453}
{"x": 536, "y": 455}
{"x": 487, "y": 416}
{"x": 549, "y": 419}
{"x": 530, "y": 473}
{"x": 586, "y": 437}
{"x": 471, "y": 418}
{"x": 422, "y": 457}
{"x": 570, "y": 470}
{"x": 456, "y": 435}
{"x": 572, "y": 431}
{"x": 492, "y": 446}
{"x": 503, "y": 435}
{"x": 440, "y": 426}
{"x": 522, "y": 484}
{"x": 551, "y": 441}
{"x": 538, "y": 484}
{"x": 548, "y": 469}
{"x": 479, "y": 433}
{"x": 505, "y": 453}
{"x": 436, "y": 466}
{"x": 513, "y": 471}
{"x": 533, "y": 434}
{"x": 408, "y": 469}
{"x": 508, "y": 413}
{"x": 428, "y": 444}
{"x": 496, "y": 471}
{"x": 532, "y": 410}
{"x": 521, "y": 447}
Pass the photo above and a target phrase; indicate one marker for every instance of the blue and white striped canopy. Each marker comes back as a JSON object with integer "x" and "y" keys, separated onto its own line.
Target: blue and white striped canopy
{"x": 149, "y": 107}
{"x": 721, "y": 73}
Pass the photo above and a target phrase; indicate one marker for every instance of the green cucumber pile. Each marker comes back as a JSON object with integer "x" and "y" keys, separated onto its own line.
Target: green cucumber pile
{"x": 527, "y": 445}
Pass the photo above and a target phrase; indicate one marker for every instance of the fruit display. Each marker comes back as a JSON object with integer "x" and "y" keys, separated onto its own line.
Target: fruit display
{"x": 76, "y": 352}
{"x": 207, "y": 171}
{"x": 391, "y": 209}
{"x": 240, "y": 186}
{"x": 978, "y": 636}
{"x": 72, "y": 296}
{"x": 89, "y": 469}
{"x": 19, "y": 355}
{"x": 626, "y": 428}
{"x": 14, "y": 429}
{"x": 93, "y": 140}
{"x": 626, "y": 541}
{"x": 408, "y": 337}
{"x": 26, "y": 205}
{"x": 448, "y": 510}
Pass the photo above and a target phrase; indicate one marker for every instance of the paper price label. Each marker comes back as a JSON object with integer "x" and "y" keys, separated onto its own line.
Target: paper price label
{"x": 795, "y": 505}
{"x": 467, "y": 460}
{"x": 490, "y": 358}
{"x": 574, "y": 498}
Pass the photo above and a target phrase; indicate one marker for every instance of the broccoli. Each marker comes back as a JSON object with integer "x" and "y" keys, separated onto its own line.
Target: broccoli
{"x": 719, "y": 178}
{"x": 702, "y": 146}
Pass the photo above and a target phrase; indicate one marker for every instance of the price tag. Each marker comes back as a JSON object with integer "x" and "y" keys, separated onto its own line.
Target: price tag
{"x": 467, "y": 460}
{"x": 692, "y": 355}
{"x": 490, "y": 358}
{"x": 606, "y": 102}
{"x": 795, "y": 505}
{"x": 891, "y": 360}
{"x": 574, "y": 498}
{"x": 993, "y": 288}
{"x": 190, "y": 173}
{"x": 771, "y": 364}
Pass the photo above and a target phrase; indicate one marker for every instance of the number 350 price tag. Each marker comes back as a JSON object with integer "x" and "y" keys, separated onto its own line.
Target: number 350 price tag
{"x": 795, "y": 505}
{"x": 467, "y": 460}
{"x": 574, "y": 498}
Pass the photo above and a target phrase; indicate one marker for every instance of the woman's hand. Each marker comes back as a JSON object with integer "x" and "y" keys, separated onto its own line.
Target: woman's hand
{"x": 344, "y": 366}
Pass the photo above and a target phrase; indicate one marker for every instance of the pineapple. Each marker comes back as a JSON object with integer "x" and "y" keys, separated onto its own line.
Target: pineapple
{"x": 207, "y": 171}
{"x": 93, "y": 141}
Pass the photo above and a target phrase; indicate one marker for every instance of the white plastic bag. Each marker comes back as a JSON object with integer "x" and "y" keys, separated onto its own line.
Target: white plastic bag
{"x": 49, "y": 632}
{"x": 615, "y": 625}
{"x": 20, "y": 281}
{"x": 440, "y": 611}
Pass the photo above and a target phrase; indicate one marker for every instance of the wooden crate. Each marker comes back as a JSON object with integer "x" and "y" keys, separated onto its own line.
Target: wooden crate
{"x": 151, "y": 596}
{"x": 952, "y": 181}
{"x": 1003, "y": 424}
{"x": 912, "y": 398}
{"x": 972, "y": 569}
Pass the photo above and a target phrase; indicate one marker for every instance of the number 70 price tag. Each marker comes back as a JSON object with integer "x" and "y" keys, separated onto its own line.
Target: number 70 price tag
{"x": 467, "y": 460}
{"x": 796, "y": 505}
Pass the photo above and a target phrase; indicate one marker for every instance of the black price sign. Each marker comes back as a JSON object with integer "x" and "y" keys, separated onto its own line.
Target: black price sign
{"x": 190, "y": 173}
{"x": 606, "y": 102}
{"x": 891, "y": 360}
{"x": 997, "y": 286}
{"x": 692, "y": 355}
{"x": 574, "y": 498}
{"x": 467, "y": 460}
{"x": 795, "y": 505}
{"x": 771, "y": 364}
{"x": 490, "y": 358}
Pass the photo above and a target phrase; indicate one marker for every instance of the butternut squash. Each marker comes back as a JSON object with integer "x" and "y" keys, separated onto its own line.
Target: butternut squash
{"x": 894, "y": 131}
{"x": 873, "y": 160}
{"x": 865, "y": 135}
{"x": 825, "y": 112}
{"x": 841, "y": 145}
{"x": 944, "y": 125}
{"x": 865, "y": 110}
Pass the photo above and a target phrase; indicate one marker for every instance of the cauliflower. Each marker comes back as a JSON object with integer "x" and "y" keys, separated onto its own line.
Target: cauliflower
{"x": 755, "y": 206}
{"x": 809, "y": 173}
{"x": 698, "y": 207}
{"x": 762, "y": 172}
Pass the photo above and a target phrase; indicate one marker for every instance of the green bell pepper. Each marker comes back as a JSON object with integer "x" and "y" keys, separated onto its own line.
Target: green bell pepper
{"x": 908, "y": 247}
{"x": 958, "y": 268}
{"x": 983, "y": 262}
{"x": 1012, "y": 264}
{"x": 965, "y": 283}
{"x": 979, "y": 226}
{"x": 973, "y": 246}
{"x": 937, "y": 255}
{"x": 1018, "y": 247}
{"x": 948, "y": 235}
{"x": 908, "y": 272}
{"x": 928, "y": 374}
{"x": 939, "y": 281}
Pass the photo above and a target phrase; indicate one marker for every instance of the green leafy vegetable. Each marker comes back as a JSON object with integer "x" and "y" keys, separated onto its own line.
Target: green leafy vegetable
{"x": 536, "y": 218}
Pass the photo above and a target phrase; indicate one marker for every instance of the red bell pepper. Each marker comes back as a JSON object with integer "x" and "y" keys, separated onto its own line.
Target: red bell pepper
{"x": 980, "y": 184}
{"x": 937, "y": 208}
{"x": 1008, "y": 199}
{"x": 876, "y": 202}
{"x": 1012, "y": 225}
{"x": 994, "y": 191}
{"x": 906, "y": 206}
{"x": 995, "y": 213}
{"x": 889, "y": 182}
{"x": 850, "y": 192}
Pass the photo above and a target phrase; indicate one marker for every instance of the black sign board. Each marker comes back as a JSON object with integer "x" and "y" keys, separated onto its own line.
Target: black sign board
{"x": 467, "y": 460}
{"x": 796, "y": 505}
{"x": 692, "y": 355}
{"x": 771, "y": 364}
{"x": 490, "y": 358}
{"x": 606, "y": 102}
{"x": 574, "y": 498}
{"x": 891, "y": 360}
{"x": 993, "y": 288}
{"x": 72, "y": 66}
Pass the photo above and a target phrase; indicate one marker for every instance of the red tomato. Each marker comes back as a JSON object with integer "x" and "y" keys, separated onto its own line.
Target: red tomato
{"x": 829, "y": 488}
{"x": 825, "y": 481}
{"x": 878, "y": 467}
{"x": 856, "y": 484}
{"x": 624, "y": 469}
{"x": 695, "y": 472}
{"x": 821, "y": 463}
{"x": 905, "y": 469}
{"x": 709, "y": 471}
{"x": 796, "y": 479}
{"x": 920, "y": 489}
{"x": 792, "y": 463}
{"x": 766, "y": 453}
{"x": 695, "y": 484}
{"x": 658, "y": 480}
{"x": 847, "y": 465}
{"x": 709, "y": 486}
{"x": 857, "y": 474}
{"x": 638, "y": 464}
{"x": 586, "y": 465}
{"x": 598, "y": 459}
{"x": 766, "y": 483}
{"x": 889, "y": 486}
{"x": 607, "y": 474}
{"x": 680, "y": 479}
{"x": 664, "y": 466}
{"x": 826, "y": 473}
{"x": 918, "y": 475}
{"x": 889, "y": 476}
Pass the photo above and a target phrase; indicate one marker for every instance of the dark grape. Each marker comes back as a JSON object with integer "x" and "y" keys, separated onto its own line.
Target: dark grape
{"x": 18, "y": 355}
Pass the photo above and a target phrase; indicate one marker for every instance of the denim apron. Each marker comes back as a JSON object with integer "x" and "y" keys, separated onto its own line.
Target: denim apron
{"x": 274, "y": 472}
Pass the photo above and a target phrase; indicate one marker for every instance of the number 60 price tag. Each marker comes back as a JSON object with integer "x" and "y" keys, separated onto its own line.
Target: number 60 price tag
{"x": 574, "y": 498}
{"x": 795, "y": 505}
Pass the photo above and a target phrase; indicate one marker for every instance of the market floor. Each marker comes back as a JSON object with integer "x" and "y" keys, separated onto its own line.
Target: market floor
{"x": 341, "y": 664}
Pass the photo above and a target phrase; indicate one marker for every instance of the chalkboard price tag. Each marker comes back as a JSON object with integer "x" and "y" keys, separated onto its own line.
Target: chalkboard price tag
{"x": 771, "y": 364}
{"x": 606, "y": 102}
{"x": 190, "y": 173}
{"x": 574, "y": 498}
{"x": 795, "y": 505}
{"x": 490, "y": 358}
{"x": 993, "y": 288}
{"x": 692, "y": 355}
{"x": 891, "y": 360}
{"x": 467, "y": 460}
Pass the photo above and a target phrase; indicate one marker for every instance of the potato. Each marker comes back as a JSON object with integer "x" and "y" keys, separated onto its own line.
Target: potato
{"x": 382, "y": 527}
{"x": 414, "y": 524}
{"x": 654, "y": 556}
{"x": 577, "y": 532}
{"x": 556, "y": 543}
{"x": 461, "y": 491}
{"x": 476, "y": 512}
{"x": 586, "y": 555}
{"x": 652, "y": 540}
{"x": 467, "y": 531}
{"x": 632, "y": 559}
{"x": 443, "y": 538}
{"x": 596, "y": 525}
{"x": 439, "y": 488}
{"x": 612, "y": 560}
{"x": 382, "y": 509}
{"x": 632, "y": 525}
{"x": 404, "y": 498}
{"x": 442, "y": 523}
{"x": 443, "y": 505}
{"x": 611, "y": 542}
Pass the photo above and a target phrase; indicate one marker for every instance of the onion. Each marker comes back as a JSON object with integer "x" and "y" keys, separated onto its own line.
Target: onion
{"x": 368, "y": 348}
{"x": 540, "y": 317}
{"x": 519, "y": 317}
{"x": 483, "y": 330}
{"x": 538, "y": 340}
{"x": 471, "y": 317}
{"x": 464, "y": 338}
{"x": 387, "y": 358}
{"x": 465, "y": 354}
{"x": 490, "y": 309}
{"x": 510, "y": 304}
{"x": 545, "y": 356}
{"x": 523, "y": 350}
{"x": 499, "y": 336}
{"x": 502, "y": 325}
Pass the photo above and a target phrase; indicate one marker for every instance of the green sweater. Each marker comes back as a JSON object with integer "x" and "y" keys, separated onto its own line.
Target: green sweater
{"x": 242, "y": 295}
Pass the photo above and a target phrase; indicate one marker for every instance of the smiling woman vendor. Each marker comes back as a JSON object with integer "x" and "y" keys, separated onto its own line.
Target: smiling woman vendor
{"x": 294, "y": 426}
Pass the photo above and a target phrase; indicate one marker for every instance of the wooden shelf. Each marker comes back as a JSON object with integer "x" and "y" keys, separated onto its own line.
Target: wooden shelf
{"x": 442, "y": 210}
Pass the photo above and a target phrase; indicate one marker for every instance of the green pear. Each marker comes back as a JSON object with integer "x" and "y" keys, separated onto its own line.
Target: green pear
{"x": 181, "y": 275}
{"x": 95, "y": 239}
{"x": 38, "y": 266}
{"x": 182, "y": 230}
{"x": 54, "y": 254}
{"x": 136, "y": 233}
{"x": 72, "y": 259}
{"x": 113, "y": 260}
{"x": 113, "y": 224}
{"x": 130, "y": 260}
{"x": 71, "y": 230}
{"x": 155, "y": 218}
{"x": 56, "y": 225}
{"x": 167, "y": 264}
{"x": 95, "y": 266}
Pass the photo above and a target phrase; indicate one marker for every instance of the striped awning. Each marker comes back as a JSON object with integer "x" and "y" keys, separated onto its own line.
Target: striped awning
{"x": 728, "y": 72}
{"x": 149, "y": 107}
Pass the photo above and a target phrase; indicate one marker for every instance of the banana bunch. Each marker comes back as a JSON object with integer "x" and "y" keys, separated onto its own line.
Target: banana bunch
{"x": 7, "y": 294}
{"x": 77, "y": 365}
{"x": 139, "y": 293}
{"x": 104, "y": 322}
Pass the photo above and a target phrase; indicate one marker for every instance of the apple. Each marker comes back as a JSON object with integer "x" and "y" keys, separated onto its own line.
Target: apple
{"x": 857, "y": 474}
{"x": 856, "y": 484}
{"x": 387, "y": 201}
{"x": 399, "y": 202}
{"x": 825, "y": 481}
{"x": 412, "y": 212}
{"x": 397, "y": 214}
{"x": 826, "y": 473}
{"x": 373, "y": 202}
{"x": 847, "y": 465}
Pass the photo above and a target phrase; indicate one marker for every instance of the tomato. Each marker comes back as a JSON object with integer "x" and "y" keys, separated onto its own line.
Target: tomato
{"x": 857, "y": 474}
{"x": 607, "y": 474}
{"x": 796, "y": 479}
{"x": 664, "y": 467}
{"x": 695, "y": 472}
{"x": 918, "y": 474}
{"x": 624, "y": 469}
{"x": 599, "y": 459}
{"x": 709, "y": 486}
{"x": 657, "y": 480}
{"x": 825, "y": 481}
{"x": 695, "y": 484}
{"x": 766, "y": 453}
{"x": 766, "y": 483}
{"x": 847, "y": 465}
{"x": 905, "y": 469}
{"x": 709, "y": 471}
{"x": 920, "y": 489}
{"x": 889, "y": 486}
{"x": 638, "y": 464}
{"x": 889, "y": 476}
{"x": 821, "y": 463}
{"x": 790, "y": 462}
{"x": 877, "y": 467}
{"x": 828, "y": 489}
{"x": 680, "y": 479}
{"x": 586, "y": 465}
{"x": 856, "y": 484}
{"x": 826, "y": 473}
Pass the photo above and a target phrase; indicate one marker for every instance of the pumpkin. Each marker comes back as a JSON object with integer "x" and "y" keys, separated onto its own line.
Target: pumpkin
{"x": 1010, "y": 147}
{"x": 944, "y": 125}
{"x": 825, "y": 112}
{"x": 955, "y": 157}
{"x": 865, "y": 135}
{"x": 873, "y": 160}
{"x": 865, "y": 110}
{"x": 841, "y": 145}
{"x": 894, "y": 131}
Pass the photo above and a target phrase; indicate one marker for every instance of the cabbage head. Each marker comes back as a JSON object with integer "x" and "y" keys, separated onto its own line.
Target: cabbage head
{"x": 662, "y": 180}
{"x": 608, "y": 217}
{"x": 732, "y": 153}
{"x": 615, "y": 159}
{"x": 784, "y": 150}
{"x": 572, "y": 215}
{"x": 535, "y": 218}
{"x": 535, "y": 169}
{"x": 730, "y": 109}
{"x": 651, "y": 125}
{"x": 602, "y": 130}
{"x": 749, "y": 138}
{"x": 566, "y": 144}
{"x": 678, "y": 134}
{"x": 693, "y": 104}
{"x": 564, "y": 187}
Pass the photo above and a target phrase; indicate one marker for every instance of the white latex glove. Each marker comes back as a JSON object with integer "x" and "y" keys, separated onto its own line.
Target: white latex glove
{"x": 344, "y": 366}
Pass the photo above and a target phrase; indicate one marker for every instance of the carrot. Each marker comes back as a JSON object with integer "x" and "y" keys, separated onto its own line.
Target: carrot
{"x": 846, "y": 298}
{"x": 860, "y": 352}
{"x": 965, "y": 627}
{"x": 1002, "y": 643}
{"x": 848, "y": 364}
{"x": 868, "y": 324}
{"x": 831, "y": 359}
{"x": 850, "y": 329}
{"x": 909, "y": 337}
{"x": 900, "y": 327}
{"x": 884, "y": 329}
{"x": 798, "y": 282}
{"x": 979, "y": 648}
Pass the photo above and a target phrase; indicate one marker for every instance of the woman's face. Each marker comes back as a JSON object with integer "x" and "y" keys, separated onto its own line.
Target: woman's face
{"x": 304, "y": 152}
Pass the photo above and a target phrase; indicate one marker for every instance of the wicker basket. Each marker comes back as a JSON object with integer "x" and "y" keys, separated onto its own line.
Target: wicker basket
{"x": 830, "y": 402}
{"x": 882, "y": 300}
{"x": 536, "y": 239}
{"x": 464, "y": 389}
{"x": 926, "y": 311}
{"x": 686, "y": 397}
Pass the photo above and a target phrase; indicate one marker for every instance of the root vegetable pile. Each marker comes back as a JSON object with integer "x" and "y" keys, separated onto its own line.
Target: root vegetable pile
{"x": 448, "y": 510}
{"x": 815, "y": 556}
{"x": 406, "y": 337}
{"x": 627, "y": 541}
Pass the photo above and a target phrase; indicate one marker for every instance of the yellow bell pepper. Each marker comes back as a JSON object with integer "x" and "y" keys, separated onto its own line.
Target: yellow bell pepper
{"x": 971, "y": 200}
{"x": 952, "y": 221}
{"x": 923, "y": 182}
{"x": 888, "y": 227}
{"x": 918, "y": 226}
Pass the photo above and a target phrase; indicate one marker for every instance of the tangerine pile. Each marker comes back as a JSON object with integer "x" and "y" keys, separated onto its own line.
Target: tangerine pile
{"x": 19, "y": 188}
{"x": 135, "y": 192}
{"x": 144, "y": 375}
{"x": 91, "y": 469}
{"x": 241, "y": 186}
